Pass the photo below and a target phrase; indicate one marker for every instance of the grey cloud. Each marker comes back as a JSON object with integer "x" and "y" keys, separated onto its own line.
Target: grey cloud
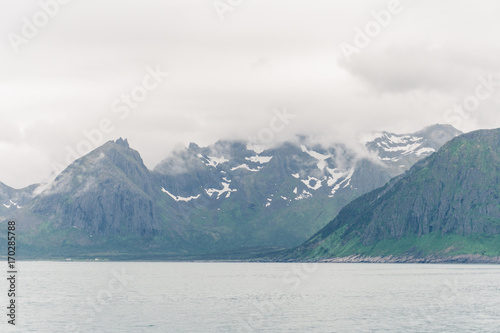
{"x": 402, "y": 68}
{"x": 228, "y": 76}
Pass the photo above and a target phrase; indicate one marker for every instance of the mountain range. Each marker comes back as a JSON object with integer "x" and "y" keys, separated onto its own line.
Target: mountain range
{"x": 445, "y": 208}
{"x": 229, "y": 196}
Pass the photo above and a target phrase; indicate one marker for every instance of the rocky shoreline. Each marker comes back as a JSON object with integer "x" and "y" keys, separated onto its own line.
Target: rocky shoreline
{"x": 434, "y": 259}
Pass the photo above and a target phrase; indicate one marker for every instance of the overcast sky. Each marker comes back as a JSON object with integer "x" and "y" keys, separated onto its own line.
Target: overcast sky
{"x": 233, "y": 64}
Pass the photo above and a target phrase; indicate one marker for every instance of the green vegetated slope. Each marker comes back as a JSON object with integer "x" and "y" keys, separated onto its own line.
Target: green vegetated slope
{"x": 446, "y": 205}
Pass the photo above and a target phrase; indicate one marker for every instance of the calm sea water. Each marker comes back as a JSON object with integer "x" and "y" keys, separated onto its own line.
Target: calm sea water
{"x": 255, "y": 297}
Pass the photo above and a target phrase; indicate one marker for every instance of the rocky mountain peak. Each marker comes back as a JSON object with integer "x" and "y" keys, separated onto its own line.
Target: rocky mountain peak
{"x": 122, "y": 142}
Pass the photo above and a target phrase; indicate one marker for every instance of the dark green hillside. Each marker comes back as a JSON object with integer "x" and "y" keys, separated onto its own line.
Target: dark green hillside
{"x": 447, "y": 204}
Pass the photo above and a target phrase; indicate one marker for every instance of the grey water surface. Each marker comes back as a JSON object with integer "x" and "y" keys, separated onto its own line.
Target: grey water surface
{"x": 256, "y": 297}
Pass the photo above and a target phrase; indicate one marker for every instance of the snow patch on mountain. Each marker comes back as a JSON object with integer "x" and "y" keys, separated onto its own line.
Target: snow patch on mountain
{"x": 335, "y": 189}
{"x": 346, "y": 182}
{"x": 427, "y": 150}
{"x": 256, "y": 148}
{"x": 392, "y": 159}
{"x": 405, "y": 150}
{"x": 320, "y": 157}
{"x": 259, "y": 159}
{"x": 403, "y": 144}
{"x": 225, "y": 189}
{"x": 348, "y": 178}
{"x": 246, "y": 167}
{"x": 304, "y": 195}
{"x": 401, "y": 139}
{"x": 213, "y": 161}
{"x": 317, "y": 183}
{"x": 12, "y": 204}
{"x": 336, "y": 175}
{"x": 179, "y": 198}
